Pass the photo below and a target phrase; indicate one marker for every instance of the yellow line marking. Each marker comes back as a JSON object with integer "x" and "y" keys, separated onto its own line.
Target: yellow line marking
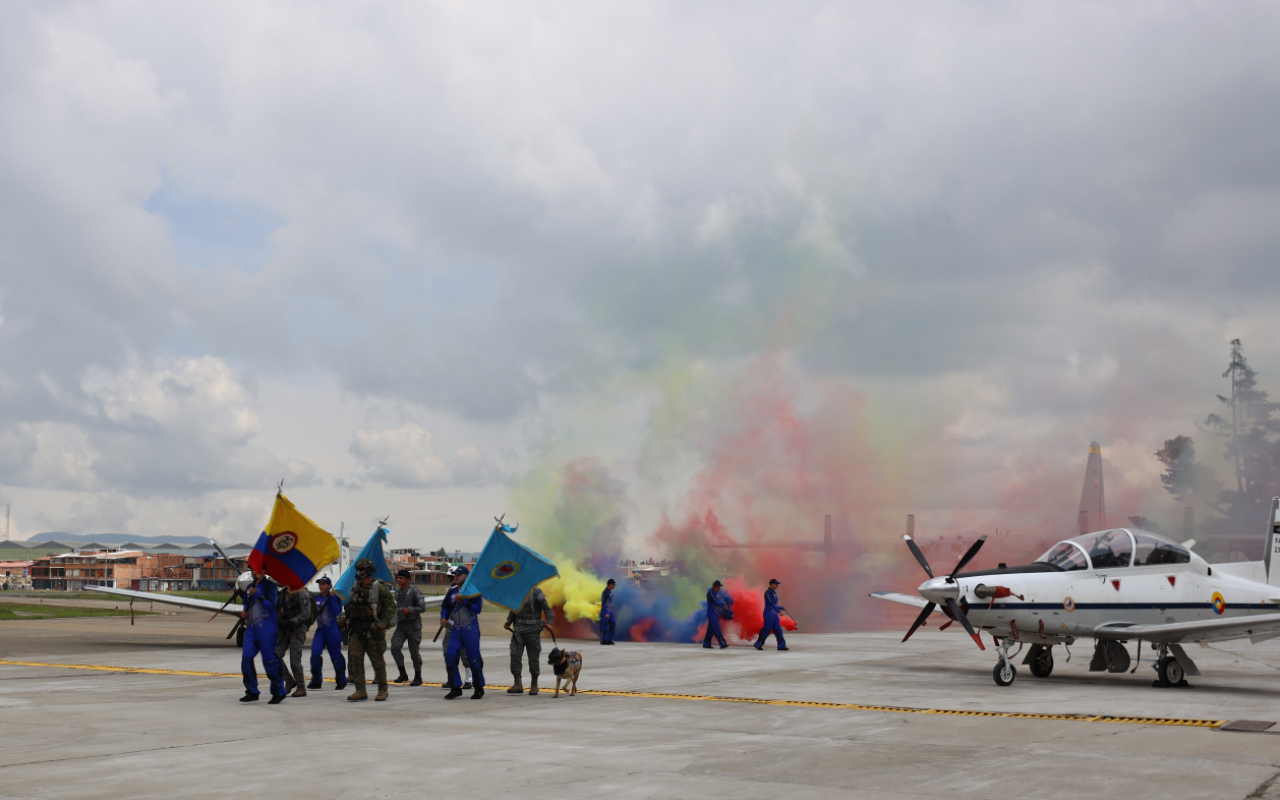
{"x": 1192, "y": 723}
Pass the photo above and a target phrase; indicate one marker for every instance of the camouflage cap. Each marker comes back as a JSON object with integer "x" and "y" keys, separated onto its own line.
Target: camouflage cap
{"x": 366, "y": 565}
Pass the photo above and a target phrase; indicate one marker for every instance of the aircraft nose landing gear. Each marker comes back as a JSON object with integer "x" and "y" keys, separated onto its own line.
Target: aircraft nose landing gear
{"x": 1004, "y": 672}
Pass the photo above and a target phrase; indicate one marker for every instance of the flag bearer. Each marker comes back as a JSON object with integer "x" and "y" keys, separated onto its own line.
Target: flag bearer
{"x": 526, "y": 636}
{"x": 259, "y": 617}
{"x": 369, "y": 613}
{"x": 457, "y": 579}
{"x": 715, "y": 606}
{"x": 327, "y": 637}
{"x": 607, "y": 621}
{"x": 772, "y": 621}
{"x": 462, "y": 616}
{"x": 409, "y": 607}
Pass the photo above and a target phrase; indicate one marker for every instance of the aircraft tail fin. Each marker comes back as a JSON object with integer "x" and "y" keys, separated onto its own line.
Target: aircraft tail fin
{"x": 1271, "y": 554}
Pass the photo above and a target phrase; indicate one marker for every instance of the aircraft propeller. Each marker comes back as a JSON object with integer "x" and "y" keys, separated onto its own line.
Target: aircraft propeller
{"x": 952, "y": 607}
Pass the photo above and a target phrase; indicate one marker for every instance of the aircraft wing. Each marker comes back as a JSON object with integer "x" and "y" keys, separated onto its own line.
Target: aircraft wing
{"x": 904, "y": 599}
{"x": 232, "y": 609}
{"x": 434, "y": 600}
{"x": 1206, "y": 630}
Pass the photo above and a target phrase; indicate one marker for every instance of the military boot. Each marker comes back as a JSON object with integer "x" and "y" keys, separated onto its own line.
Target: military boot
{"x": 360, "y": 694}
{"x": 316, "y": 683}
{"x": 288, "y": 684}
{"x": 382, "y": 693}
{"x": 402, "y": 677}
{"x": 453, "y": 694}
{"x": 517, "y": 687}
{"x": 533, "y": 685}
{"x": 417, "y": 678}
{"x": 300, "y": 691}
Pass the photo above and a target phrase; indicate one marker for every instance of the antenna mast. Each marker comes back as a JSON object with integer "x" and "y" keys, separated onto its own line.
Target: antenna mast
{"x": 6, "y": 521}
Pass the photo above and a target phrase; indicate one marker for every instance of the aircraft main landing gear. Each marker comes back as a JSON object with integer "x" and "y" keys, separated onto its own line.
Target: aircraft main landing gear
{"x": 1169, "y": 670}
{"x": 1004, "y": 672}
{"x": 1042, "y": 663}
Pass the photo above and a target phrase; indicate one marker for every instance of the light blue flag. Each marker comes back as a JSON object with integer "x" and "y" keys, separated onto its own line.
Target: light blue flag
{"x": 372, "y": 551}
{"x": 506, "y": 570}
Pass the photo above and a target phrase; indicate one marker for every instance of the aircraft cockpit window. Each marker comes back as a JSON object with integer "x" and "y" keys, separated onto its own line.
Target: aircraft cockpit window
{"x": 1154, "y": 550}
{"x": 1107, "y": 549}
{"x": 1065, "y": 556}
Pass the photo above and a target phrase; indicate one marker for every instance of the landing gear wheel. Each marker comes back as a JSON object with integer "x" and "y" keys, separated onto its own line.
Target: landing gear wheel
{"x": 1170, "y": 671}
{"x": 1042, "y": 664}
{"x": 1004, "y": 673}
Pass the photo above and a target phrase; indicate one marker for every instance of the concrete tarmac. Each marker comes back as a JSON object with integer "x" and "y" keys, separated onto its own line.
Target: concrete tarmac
{"x": 74, "y": 733}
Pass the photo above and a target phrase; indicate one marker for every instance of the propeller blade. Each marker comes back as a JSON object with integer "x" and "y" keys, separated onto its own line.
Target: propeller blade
{"x": 973, "y": 551}
{"x": 224, "y": 605}
{"x": 239, "y": 624}
{"x": 915, "y": 551}
{"x": 959, "y": 615}
{"x": 924, "y": 615}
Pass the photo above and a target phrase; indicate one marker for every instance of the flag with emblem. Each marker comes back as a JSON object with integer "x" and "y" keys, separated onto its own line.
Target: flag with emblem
{"x": 506, "y": 570}
{"x": 293, "y": 548}
{"x": 372, "y": 551}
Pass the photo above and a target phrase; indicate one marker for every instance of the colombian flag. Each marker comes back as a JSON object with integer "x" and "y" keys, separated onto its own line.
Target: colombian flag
{"x": 293, "y": 548}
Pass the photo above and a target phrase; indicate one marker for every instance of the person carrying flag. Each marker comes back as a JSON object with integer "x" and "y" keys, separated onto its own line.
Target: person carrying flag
{"x": 715, "y": 607}
{"x": 772, "y": 621}
{"x": 607, "y": 621}
{"x": 456, "y": 579}
{"x": 327, "y": 636}
{"x": 462, "y": 616}
{"x": 259, "y": 617}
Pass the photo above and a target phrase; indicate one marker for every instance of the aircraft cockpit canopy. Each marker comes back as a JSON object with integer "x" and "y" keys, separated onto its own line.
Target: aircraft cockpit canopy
{"x": 1115, "y": 549}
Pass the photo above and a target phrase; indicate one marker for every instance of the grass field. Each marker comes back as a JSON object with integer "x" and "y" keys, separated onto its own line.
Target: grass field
{"x": 11, "y": 611}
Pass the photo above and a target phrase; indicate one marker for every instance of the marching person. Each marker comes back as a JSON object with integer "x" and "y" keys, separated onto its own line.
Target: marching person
{"x": 607, "y": 621}
{"x": 259, "y": 617}
{"x": 715, "y": 606}
{"x": 457, "y": 580}
{"x": 327, "y": 636}
{"x": 461, "y": 616}
{"x": 409, "y": 607}
{"x": 526, "y": 636}
{"x": 293, "y": 617}
{"x": 772, "y": 621}
{"x": 369, "y": 613}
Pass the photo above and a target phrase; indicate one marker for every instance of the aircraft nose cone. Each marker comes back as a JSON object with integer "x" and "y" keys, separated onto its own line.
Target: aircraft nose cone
{"x": 938, "y": 590}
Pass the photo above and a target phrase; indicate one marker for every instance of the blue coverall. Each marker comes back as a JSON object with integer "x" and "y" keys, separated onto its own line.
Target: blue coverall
{"x": 464, "y": 634}
{"x": 607, "y": 622}
{"x": 772, "y": 623}
{"x": 260, "y": 637}
{"x": 714, "y": 604}
{"x": 327, "y": 637}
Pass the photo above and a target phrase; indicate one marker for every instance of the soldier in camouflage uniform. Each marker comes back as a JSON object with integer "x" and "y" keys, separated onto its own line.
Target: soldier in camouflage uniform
{"x": 293, "y": 617}
{"x": 526, "y": 635}
{"x": 369, "y": 613}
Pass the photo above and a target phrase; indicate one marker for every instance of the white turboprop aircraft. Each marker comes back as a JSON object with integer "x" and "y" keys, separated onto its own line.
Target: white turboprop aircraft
{"x": 1114, "y": 586}
{"x": 230, "y": 607}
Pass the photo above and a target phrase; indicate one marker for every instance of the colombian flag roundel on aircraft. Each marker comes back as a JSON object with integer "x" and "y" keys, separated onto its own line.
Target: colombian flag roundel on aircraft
{"x": 293, "y": 548}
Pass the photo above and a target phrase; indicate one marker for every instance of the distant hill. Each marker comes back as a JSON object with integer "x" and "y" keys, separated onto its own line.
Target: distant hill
{"x": 116, "y": 538}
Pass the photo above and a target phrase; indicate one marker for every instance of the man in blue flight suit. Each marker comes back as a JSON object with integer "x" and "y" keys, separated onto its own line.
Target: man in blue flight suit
{"x": 259, "y": 617}
{"x": 607, "y": 622}
{"x": 715, "y": 606}
{"x": 462, "y": 616}
{"x": 327, "y": 636}
{"x": 772, "y": 622}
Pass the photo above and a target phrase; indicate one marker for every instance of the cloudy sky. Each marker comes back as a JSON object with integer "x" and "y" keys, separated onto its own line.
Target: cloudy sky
{"x": 405, "y": 255}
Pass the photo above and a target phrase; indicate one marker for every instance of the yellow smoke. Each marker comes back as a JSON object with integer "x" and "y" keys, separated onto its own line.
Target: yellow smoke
{"x": 576, "y": 590}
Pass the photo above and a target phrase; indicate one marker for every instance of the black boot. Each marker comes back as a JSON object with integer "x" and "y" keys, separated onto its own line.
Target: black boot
{"x": 402, "y": 678}
{"x": 477, "y": 694}
{"x": 316, "y": 683}
{"x": 453, "y": 693}
{"x": 417, "y": 678}
{"x": 276, "y": 699}
{"x": 248, "y": 698}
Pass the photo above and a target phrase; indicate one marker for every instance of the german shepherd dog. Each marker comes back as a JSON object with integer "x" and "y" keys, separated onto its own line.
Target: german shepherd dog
{"x": 567, "y": 665}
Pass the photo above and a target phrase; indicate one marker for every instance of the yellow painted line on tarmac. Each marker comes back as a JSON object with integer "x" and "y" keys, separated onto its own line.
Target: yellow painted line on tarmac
{"x": 1189, "y": 723}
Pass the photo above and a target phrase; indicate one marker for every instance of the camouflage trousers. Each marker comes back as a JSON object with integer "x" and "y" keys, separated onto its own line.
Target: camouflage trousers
{"x": 375, "y": 645}
{"x": 526, "y": 641}
{"x": 292, "y": 644}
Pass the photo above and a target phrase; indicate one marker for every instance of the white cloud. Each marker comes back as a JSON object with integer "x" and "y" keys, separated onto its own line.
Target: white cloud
{"x": 404, "y": 457}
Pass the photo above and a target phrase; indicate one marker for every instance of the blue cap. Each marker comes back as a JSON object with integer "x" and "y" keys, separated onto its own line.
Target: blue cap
{"x": 461, "y": 571}
{"x": 403, "y": 573}
{"x": 324, "y": 579}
